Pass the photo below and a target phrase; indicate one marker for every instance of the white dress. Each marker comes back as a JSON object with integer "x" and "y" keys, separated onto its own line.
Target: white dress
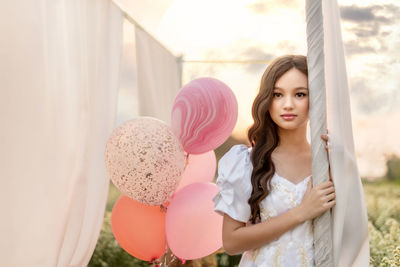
{"x": 293, "y": 248}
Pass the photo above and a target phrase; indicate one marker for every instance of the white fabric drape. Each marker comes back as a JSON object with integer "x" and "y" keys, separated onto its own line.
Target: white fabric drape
{"x": 59, "y": 72}
{"x": 349, "y": 221}
{"x": 159, "y": 77}
{"x": 323, "y": 245}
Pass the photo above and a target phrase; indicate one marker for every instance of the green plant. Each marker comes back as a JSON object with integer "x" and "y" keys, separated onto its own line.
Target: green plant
{"x": 108, "y": 253}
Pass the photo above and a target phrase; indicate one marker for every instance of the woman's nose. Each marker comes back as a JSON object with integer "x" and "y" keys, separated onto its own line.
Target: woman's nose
{"x": 288, "y": 102}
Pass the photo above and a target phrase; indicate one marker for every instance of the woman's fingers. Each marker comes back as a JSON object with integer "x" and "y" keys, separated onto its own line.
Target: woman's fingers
{"x": 330, "y": 196}
{"x": 328, "y": 190}
{"x": 325, "y": 185}
{"x": 325, "y": 137}
{"x": 330, "y": 204}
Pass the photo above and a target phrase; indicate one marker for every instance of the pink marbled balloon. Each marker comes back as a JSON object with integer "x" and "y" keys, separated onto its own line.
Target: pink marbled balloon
{"x": 204, "y": 114}
{"x": 145, "y": 160}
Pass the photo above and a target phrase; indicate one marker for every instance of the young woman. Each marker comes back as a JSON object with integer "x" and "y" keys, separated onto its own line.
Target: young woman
{"x": 266, "y": 194}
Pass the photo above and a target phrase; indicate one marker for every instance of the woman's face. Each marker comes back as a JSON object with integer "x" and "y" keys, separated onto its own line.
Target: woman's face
{"x": 290, "y": 97}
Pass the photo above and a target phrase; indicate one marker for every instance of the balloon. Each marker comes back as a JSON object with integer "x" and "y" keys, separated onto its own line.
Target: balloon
{"x": 139, "y": 229}
{"x": 200, "y": 168}
{"x": 193, "y": 229}
{"x": 203, "y": 115}
{"x": 145, "y": 160}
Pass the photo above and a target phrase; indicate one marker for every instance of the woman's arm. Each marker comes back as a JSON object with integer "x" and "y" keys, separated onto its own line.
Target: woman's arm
{"x": 237, "y": 237}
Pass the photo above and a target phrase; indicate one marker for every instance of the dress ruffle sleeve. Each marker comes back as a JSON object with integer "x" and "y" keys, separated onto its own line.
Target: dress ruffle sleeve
{"x": 234, "y": 172}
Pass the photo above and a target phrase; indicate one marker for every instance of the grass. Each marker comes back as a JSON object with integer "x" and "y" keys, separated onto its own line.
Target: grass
{"x": 383, "y": 206}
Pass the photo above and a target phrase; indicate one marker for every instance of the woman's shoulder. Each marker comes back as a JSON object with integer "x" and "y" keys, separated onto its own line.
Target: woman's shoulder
{"x": 234, "y": 182}
{"x": 235, "y": 164}
{"x": 237, "y": 154}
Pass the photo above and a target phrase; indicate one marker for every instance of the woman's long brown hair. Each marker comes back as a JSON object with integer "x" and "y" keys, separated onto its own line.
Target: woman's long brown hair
{"x": 263, "y": 134}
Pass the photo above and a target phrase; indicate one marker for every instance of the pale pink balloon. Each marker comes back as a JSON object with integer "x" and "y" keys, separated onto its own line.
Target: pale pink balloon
{"x": 193, "y": 229}
{"x": 204, "y": 114}
{"x": 199, "y": 168}
{"x": 145, "y": 160}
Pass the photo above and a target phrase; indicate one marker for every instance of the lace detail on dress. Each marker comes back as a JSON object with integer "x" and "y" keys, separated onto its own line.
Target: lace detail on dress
{"x": 287, "y": 192}
{"x": 293, "y": 248}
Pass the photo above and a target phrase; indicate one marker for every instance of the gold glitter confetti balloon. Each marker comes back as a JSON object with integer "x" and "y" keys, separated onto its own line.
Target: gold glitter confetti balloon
{"x": 145, "y": 160}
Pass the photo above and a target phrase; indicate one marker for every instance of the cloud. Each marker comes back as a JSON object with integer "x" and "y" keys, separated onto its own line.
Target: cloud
{"x": 361, "y": 14}
{"x": 353, "y": 47}
{"x": 369, "y": 27}
{"x": 258, "y": 8}
{"x": 265, "y": 6}
{"x": 261, "y": 52}
{"x": 366, "y": 100}
{"x": 240, "y": 50}
{"x": 256, "y": 53}
{"x": 370, "y": 39}
{"x": 371, "y": 100}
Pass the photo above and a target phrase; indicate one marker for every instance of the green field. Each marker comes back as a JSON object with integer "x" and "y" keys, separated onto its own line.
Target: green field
{"x": 383, "y": 205}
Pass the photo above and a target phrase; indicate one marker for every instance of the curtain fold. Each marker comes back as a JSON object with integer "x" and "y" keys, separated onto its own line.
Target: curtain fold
{"x": 346, "y": 231}
{"x": 159, "y": 77}
{"x": 350, "y": 220}
{"x": 323, "y": 244}
{"x": 59, "y": 79}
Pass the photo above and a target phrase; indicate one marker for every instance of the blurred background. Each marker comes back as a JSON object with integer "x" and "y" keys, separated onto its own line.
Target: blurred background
{"x": 233, "y": 41}
{"x": 204, "y": 32}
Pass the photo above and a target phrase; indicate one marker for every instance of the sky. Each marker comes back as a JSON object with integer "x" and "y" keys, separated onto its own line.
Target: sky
{"x": 264, "y": 29}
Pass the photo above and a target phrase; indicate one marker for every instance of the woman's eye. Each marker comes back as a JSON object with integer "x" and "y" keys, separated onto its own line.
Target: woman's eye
{"x": 277, "y": 94}
{"x": 301, "y": 94}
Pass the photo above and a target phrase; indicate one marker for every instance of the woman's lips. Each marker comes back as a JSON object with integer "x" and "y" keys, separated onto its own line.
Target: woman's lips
{"x": 288, "y": 117}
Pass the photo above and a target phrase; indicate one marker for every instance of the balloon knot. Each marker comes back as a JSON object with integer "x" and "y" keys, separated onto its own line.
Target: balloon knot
{"x": 153, "y": 261}
{"x": 163, "y": 208}
{"x": 186, "y": 159}
{"x": 182, "y": 260}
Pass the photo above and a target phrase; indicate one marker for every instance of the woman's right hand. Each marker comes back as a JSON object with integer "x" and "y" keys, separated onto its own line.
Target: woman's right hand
{"x": 317, "y": 200}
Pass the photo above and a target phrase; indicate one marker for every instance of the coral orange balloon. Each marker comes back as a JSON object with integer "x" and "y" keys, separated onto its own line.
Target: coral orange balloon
{"x": 138, "y": 228}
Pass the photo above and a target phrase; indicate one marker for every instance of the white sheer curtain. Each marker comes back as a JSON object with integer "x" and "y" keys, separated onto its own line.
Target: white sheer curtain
{"x": 59, "y": 73}
{"x": 159, "y": 77}
{"x": 350, "y": 221}
{"x": 347, "y": 233}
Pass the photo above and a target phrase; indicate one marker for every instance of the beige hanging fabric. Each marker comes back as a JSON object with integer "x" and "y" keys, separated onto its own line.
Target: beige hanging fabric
{"x": 159, "y": 77}
{"x": 341, "y": 239}
{"x": 59, "y": 73}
